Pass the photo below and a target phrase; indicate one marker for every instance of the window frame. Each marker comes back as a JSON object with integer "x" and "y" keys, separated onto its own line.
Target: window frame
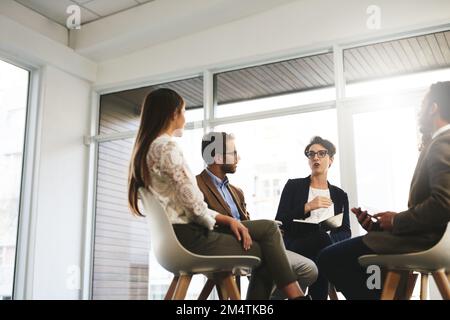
{"x": 26, "y": 225}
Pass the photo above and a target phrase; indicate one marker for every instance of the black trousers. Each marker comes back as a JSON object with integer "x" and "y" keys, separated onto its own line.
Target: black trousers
{"x": 339, "y": 263}
{"x": 309, "y": 244}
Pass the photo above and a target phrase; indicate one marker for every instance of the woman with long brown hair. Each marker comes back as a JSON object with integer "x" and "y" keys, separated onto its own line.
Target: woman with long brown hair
{"x": 158, "y": 164}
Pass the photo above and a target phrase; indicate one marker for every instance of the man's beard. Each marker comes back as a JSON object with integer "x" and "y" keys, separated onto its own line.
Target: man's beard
{"x": 228, "y": 168}
{"x": 426, "y": 128}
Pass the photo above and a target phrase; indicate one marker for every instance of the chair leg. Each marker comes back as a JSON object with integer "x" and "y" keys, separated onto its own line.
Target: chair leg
{"x": 182, "y": 287}
{"x": 332, "y": 292}
{"x": 390, "y": 285}
{"x": 206, "y": 291}
{"x": 231, "y": 288}
{"x": 171, "y": 290}
{"x": 238, "y": 282}
{"x": 406, "y": 285}
{"x": 412, "y": 279}
{"x": 226, "y": 287}
{"x": 221, "y": 293}
{"x": 442, "y": 283}
{"x": 424, "y": 286}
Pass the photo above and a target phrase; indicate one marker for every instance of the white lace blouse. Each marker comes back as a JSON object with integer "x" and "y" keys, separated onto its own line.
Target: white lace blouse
{"x": 174, "y": 185}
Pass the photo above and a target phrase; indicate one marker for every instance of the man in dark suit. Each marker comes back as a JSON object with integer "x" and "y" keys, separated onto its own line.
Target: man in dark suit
{"x": 418, "y": 228}
{"x": 219, "y": 153}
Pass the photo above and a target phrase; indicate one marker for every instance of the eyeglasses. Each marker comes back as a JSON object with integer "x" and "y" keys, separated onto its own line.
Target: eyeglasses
{"x": 234, "y": 153}
{"x": 311, "y": 154}
{"x": 234, "y": 156}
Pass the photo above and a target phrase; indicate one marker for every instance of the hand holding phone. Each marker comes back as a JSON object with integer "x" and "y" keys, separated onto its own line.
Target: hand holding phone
{"x": 367, "y": 221}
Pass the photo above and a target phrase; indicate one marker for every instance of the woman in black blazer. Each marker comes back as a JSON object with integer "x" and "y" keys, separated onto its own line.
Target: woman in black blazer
{"x": 313, "y": 197}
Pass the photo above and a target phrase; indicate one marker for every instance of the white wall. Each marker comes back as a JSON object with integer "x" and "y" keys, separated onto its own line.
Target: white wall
{"x": 22, "y": 43}
{"x": 283, "y": 30}
{"x": 61, "y": 195}
{"x": 55, "y": 245}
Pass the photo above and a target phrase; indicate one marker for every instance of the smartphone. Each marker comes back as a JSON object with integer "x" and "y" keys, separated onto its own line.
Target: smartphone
{"x": 374, "y": 220}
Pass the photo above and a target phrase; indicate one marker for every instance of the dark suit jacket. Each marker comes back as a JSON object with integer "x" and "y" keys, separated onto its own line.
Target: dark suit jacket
{"x": 292, "y": 206}
{"x": 423, "y": 224}
{"x": 214, "y": 199}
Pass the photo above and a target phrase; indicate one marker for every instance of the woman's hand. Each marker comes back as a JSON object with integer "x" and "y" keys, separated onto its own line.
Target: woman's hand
{"x": 318, "y": 202}
{"x": 241, "y": 233}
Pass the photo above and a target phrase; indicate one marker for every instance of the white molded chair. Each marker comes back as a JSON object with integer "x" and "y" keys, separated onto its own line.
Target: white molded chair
{"x": 435, "y": 261}
{"x": 172, "y": 256}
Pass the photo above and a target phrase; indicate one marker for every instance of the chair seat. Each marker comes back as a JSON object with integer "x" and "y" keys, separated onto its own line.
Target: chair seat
{"x": 430, "y": 260}
{"x": 211, "y": 264}
{"x": 421, "y": 261}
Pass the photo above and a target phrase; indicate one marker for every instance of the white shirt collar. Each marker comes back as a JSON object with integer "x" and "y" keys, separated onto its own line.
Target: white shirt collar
{"x": 441, "y": 130}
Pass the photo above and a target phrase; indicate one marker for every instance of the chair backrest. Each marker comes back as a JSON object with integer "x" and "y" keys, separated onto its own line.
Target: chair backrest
{"x": 438, "y": 256}
{"x": 171, "y": 254}
{"x": 442, "y": 248}
{"x": 166, "y": 247}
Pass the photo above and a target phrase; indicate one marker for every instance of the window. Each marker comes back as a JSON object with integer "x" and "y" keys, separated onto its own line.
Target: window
{"x": 271, "y": 149}
{"x": 385, "y": 158}
{"x": 13, "y": 107}
{"x": 396, "y": 65}
{"x": 124, "y": 267}
{"x": 121, "y": 240}
{"x": 271, "y": 152}
{"x": 284, "y": 84}
{"x": 384, "y": 89}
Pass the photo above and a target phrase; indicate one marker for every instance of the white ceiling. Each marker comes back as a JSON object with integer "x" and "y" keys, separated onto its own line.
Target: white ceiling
{"x": 158, "y": 22}
{"x": 91, "y": 10}
{"x": 112, "y": 28}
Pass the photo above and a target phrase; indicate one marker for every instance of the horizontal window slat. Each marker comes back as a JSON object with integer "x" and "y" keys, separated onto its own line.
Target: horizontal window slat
{"x": 107, "y": 123}
{"x": 120, "y": 284}
{"x": 106, "y": 186}
{"x": 122, "y": 243}
{"x": 121, "y": 222}
{"x": 120, "y": 235}
{"x": 112, "y": 180}
{"x": 138, "y": 261}
{"x": 120, "y": 249}
{"x": 124, "y": 291}
{"x": 109, "y": 262}
{"x": 121, "y": 228}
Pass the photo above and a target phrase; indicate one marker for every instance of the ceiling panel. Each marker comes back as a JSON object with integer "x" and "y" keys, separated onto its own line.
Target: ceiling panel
{"x": 81, "y": 1}
{"x": 107, "y": 7}
{"x": 91, "y": 10}
{"x": 55, "y": 10}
